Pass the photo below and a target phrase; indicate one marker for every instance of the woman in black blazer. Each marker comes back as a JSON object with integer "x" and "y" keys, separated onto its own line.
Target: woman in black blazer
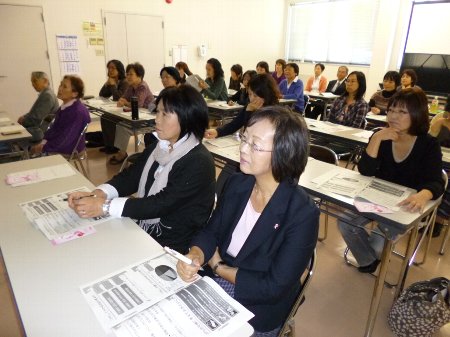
{"x": 174, "y": 178}
{"x": 263, "y": 231}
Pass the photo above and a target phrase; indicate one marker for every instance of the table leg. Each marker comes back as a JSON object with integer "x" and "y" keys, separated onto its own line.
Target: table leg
{"x": 136, "y": 140}
{"x": 378, "y": 288}
{"x": 407, "y": 261}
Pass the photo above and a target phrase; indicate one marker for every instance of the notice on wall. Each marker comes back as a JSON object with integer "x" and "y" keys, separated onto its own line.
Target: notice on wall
{"x": 92, "y": 28}
{"x": 68, "y": 53}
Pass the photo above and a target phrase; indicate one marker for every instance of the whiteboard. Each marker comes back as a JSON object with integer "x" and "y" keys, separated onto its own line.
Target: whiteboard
{"x": 136, "y": 38}
{"x": 429, "y": 29}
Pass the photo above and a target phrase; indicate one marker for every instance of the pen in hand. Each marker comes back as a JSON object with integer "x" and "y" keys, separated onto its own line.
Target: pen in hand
{"x": 84, "y": 196}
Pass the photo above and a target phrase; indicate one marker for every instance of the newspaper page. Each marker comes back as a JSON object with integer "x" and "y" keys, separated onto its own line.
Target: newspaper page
{"x": 201, "y": 309}
{"x": 53, "y": 216}
{"x": 38, "y": 175}
{"x": 130, "y": 290}
{"x": 383, "y": 193}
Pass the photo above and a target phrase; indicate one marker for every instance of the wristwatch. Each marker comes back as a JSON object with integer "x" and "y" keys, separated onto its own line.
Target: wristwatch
{"x": 105, "y": 207}
{"x": 214, "y": 268}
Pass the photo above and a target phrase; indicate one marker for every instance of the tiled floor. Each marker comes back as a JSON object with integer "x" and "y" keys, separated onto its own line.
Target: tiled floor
{"x": 337, "y": 301}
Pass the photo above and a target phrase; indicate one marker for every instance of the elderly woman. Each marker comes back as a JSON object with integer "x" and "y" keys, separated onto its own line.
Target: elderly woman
{"x": 137, "y": 87}
{"x": 70, "y": 119}
{"x": 379, "y": 101}
{"x": 403, "y": 153}
{"x": 214, "y": 86}
{"x": 292, "y": 86}
{"x": 45, "y": 105}
{"x": 351, "y": 109}
{"x": 264, "y": 228}
{"x": 263, "y": 91}
{"x": 173, "y": 179}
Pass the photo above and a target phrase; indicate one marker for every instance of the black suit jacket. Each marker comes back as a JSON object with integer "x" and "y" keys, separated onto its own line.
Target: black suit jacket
{"x": 184, "y": 205}
{"x": 274, "y": 255}
{"x": 339, "y": 90}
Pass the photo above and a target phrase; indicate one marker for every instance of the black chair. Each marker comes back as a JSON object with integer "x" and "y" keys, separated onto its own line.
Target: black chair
{"x": 288, "y": 328}
{"x": 326, "y": 155}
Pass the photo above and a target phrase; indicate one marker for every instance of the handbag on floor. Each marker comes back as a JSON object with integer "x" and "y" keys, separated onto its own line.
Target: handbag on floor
{"x": 422, "y": 309}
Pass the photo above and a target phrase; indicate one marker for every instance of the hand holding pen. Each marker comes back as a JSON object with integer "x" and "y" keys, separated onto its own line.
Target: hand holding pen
{"x": 87, "y": 204}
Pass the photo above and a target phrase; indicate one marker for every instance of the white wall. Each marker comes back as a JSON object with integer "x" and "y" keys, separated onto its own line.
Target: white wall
{"x": 235, "y": 31}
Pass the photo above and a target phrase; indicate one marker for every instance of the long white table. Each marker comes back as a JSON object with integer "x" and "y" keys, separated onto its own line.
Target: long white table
{"x": 393, "y": 226}
{"x": 15, "y": 138}
{"x": 45, "y": 279}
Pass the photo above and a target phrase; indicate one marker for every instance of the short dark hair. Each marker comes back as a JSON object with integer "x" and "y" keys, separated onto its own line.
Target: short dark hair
{"x": 411, "y": 73}
{"x": 76, "y": 83}
{"x": 294, "y": 66}
{"x": 172, "y": 71}
{"x": 290, "y": 143}
{"x": 190, "y": 107}
{"x": 237, "y": 69}
{"x": 415, "y": 102}
{"x": 217, "y": 67}
{"x": 250, "y": 73}
{"x": 119, "y": 66}
{"x": 264, "y": 65}
{"x": 138, "y": 69}
{"x": 264, "y": 86}
{"x": 321, "y": 65}
{"x": 392, "y": 75}
{"x": 184, "y": 66}
{"x": 361, "y": 78}
{"x": 282, "y": 62}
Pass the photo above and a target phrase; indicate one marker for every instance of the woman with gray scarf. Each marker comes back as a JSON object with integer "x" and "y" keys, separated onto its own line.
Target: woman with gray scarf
{"x": 174, "y": 179}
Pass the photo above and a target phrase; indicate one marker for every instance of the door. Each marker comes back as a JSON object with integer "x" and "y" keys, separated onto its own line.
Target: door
{"x": 24, "y": 49}
{"x": 136, "y": 38}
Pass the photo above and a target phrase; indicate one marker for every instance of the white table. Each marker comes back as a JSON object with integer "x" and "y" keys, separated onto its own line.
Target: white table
{"x": 323, "y": 99}
{"x": 15, "y": 138}
{"x": 392, "y": 225}
{"x": 107, "y": 108}
{"x": 45, "y": 279}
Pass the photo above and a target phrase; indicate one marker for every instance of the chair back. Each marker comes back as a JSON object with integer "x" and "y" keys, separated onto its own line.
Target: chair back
{"x": 306, "y": 100}
{"x": 227, "y": 171}
{"x": 75, "y": 149}
{"x": 323, "y": 153}
{"x": 305, "y": 280}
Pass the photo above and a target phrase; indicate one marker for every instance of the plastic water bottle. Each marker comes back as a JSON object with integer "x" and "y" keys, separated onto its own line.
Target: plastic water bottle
{"x": 134, "y": 108}
{"x": 434, "y": 107}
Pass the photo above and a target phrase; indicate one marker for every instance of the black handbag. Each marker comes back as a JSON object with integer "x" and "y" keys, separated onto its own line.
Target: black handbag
{"x": 422, "y": 309}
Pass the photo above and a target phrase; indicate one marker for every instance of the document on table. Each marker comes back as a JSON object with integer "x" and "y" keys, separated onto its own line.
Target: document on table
{"x": 150, "y": 296}
{"x": 38, "y": 175}
{"x": 324, "y": 126}
{"x": 4, "y": 120}
{"x": 11, "y": 129}
{"x": 364, "y": 134}
{"x": 54, "y": 218}
{"x": 222, "y": 142}
{"x": 353, "y": 185}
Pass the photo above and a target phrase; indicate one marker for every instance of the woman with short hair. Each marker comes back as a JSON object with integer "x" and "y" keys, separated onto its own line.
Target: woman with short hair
{"x": 379, "y": 101}
{"x": 236, "y": 77}
{"x": 263, "y": 231}
{"x": 174, "y": 179}
{"x": 184, "y": 71}
{"x": 278, "y": 74}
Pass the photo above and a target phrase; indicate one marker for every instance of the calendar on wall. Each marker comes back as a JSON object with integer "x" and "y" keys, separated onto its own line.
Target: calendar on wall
{"x": 68, "y": 53}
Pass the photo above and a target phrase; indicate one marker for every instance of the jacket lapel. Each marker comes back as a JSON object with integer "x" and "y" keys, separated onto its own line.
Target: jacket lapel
{"x": 270, "y": 220}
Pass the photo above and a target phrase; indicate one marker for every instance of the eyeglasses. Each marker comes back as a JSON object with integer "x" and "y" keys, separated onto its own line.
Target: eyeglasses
{"x": 253, "y": 147}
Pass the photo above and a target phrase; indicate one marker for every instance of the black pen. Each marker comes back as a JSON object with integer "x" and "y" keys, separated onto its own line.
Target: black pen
{"x": 84, "y": 196}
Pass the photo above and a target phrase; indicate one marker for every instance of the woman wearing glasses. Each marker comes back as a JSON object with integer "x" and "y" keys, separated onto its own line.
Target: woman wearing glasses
{"x": 351, "y": 109}
{"x": 264, "y": 228}
{"x": 263, "y": 91}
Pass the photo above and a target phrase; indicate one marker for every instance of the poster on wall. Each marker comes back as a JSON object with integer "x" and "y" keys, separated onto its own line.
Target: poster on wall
{"x": 68, "y": 53}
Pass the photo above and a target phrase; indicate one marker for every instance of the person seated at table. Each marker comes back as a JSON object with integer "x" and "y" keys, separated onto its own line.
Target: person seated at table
{"x": 184, "y": 71}
{"x": 351, "y": 109}
{"x": 262, "y": 67}
{"x": 318, "y": 82}
{"x": 292, "y": 86}
{"x": 241, "y": 97}
{"x": 379, "y": 101}
{"x": 115, "y": 86}
{"x": 440, "y": 128}
{"x": 337, "y": 86}
{"x": 44, "y": 107}
{"x": 236, "y": 77}
{"x": 70, "y": 120}
{"x": 173, "y": 179}
{"x": 263, "y": 231}
{"x": 278, "y": 74}
{"x": 137, "y": 87}
{"x": 214, "y": 86}
{"x": 262, "y": 91}
{"x": 408, "y": 79}
{"x": 403, "y": 153}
